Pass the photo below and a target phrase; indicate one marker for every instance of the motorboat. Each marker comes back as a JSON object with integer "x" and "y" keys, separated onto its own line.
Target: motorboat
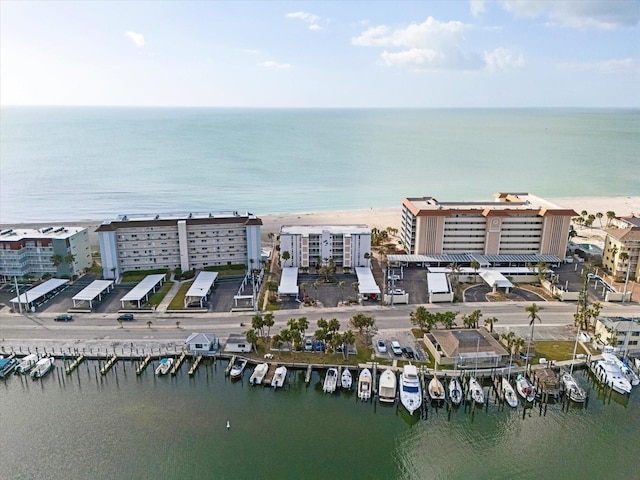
{"x": 455, "y": 391}
{"x": 576, "y": 392}
{"x": 259, "y": 373}
{"x": 388, "y": 386}
{"x": 238, "y": 367}
{"x": 410, "y": 390}
{"x": 42, "y": 367}
{"x": 27, "y": 363}
{"x": 364, "y": 384}
{"x": 628, "y": 372}
{"x": 637, "y": 363}
{"x": 609, "y": 373}
{"x": 164, "y": 366}
{"x": 508, "y": 393}
{"x": 279, "y": 377}
{"x": 477, "y": 393}
{"x": 7, "y": 365}
{"x": 346, "y": 380}
{"x": 524, "y": 388}
{"x": 436, "y": 390}
{"x": 330, "y": 380}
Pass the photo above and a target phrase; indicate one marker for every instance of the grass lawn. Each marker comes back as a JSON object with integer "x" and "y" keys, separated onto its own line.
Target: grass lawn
{"x": 157, "y": 297}
{"x": 177, "y": 303}
{"x": 557, "y": 350}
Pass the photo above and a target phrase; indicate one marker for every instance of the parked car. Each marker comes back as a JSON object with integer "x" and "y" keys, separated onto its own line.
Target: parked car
{"x": 308, "y": 345}
{"x": 125, "y": 317}
{"x": 194, "y": 304}
{"x": 395, "y": 347}
{"x": 408, "y": 352}
{"x": 319, "y": 346}
{"x": 63, "y": 318}
{"x": 382, "y": 347}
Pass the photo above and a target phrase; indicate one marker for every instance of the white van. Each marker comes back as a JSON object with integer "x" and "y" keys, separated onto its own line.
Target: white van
{"x": 397, "y": 349}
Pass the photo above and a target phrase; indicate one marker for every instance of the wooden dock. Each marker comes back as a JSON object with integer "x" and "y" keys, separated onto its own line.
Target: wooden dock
{"x": 107, "y": 366}
{"x": 307, "y": 377}
{"x": 178, "y": 363}
{"x": 194, "y": 367}
{"x": 143, "y": 365}
{"x": 79, "y": 359}
{"x": 227, "y": 370}
{"x": 268, "y": 378}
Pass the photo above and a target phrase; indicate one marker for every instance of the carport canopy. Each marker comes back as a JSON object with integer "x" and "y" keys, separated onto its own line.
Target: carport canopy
{"x": 97, "y": 288}
{"x": 366, "y": 282}
{"x": 437, "y": 283}
{"x": 39, "y": 291}
{"x": 494, "y": 278}
{"x": 289, "y": 281}
{"x": 142, "y": 289}
{"x": 200, "y": 287}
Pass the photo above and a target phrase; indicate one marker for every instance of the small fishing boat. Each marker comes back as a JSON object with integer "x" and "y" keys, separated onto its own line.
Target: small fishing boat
{"x": 7, "y": 365}
{"x": 346, "y": 380}
{"x": 477, "y": 393}
{"x": 576, "y": 392}
{"x": 455, "y": 391}
{"x": 330, "y": 380}
{"x": 259, "y": 373}
{"x": 238, "y": 367}
{"x": 436, "y": 390}
{"x": 388, "y": 386}
{"x": 43, "y": 367}
{"x": 609, "y": 373}
{"x": 164, "y": 366}
{"x": 410, "y": 389}
{"x": 279, "y": 377}
{"x": 525, "y": 389}
{"x": 508, "y": 393}
{"x": 27, "y": 363}
{"x": 364, "y": 384}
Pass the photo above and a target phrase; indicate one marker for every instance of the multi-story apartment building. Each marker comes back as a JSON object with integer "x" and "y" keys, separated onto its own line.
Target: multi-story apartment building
{"x": 189, "y": 241}
{"x": 308, "y": 245}
{"x": 621, "y": 254}
{"x": 512, "y": 224}
{"x": 621, "y": 332}
{"x": 50, "y": 251}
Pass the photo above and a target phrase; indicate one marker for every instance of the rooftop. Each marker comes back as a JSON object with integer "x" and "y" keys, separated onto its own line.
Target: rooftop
{"x": 318, "y": 229}
{"x": 14, "y": 234}
{"x": 165, "y": 219}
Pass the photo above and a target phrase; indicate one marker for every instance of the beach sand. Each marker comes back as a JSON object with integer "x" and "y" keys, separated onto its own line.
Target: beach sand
{"x": 382, "y": 218}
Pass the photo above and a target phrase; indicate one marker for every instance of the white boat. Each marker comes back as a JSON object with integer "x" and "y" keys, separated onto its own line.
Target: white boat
{"x": 508, "y": 393}
{"x": 628, "y": 373}
{"x": 7, "y": 365}
{"x": 455, "y": 391}
{"x": 571, "y": 387}
{"x": 610, "y": 374}
{"x": 477, "y": 393}
{"x": 388, "y": 386}
{"x": 42, "y": 367}
{"x": 279, "y": 377}
{"x": 525, "y": 389}
{"x": 346, "y": 380}
{"x": 27, "y": 363}
{"x": 238, "y": 367}
{"x": 364, "y": 384}
{"x": 637, "y": 362}
{"x": 410, "y": 390}
{"x": 164, "y": 366}
{"x": 259, "y": 373}
{"x": 330, "y": 380}
{"x": 436, "y": 390}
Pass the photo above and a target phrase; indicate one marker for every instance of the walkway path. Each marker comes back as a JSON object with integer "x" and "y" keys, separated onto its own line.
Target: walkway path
{"x": 164, "y": 305}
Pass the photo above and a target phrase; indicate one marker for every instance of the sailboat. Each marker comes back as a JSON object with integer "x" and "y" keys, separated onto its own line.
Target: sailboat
{"x": 571, "y": 386}
{"x": 455, "y": 391}
{"x": 508, "y": 393}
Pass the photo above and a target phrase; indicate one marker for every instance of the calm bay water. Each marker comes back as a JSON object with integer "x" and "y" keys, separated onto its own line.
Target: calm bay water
{"x": 93, "y": 163}
{"x": 124, "y": 427}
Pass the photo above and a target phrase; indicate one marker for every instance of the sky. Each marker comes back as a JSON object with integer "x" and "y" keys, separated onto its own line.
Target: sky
{"x": 362, "y": 54}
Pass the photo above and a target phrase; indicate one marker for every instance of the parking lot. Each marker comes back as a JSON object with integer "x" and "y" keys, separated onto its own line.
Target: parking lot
{"x": 405, "y": 338}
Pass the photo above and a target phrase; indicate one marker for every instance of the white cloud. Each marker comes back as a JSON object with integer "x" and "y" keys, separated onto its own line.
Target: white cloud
{"x": 580, "y": 14}
{"x": 276, "y": 65}
{"x": 306, "y": 17}
{"x": 477, "y": 7}
{"x": 136, "y": 38}
{"x": 503, "y": 59}
{"x": 613, "y": 66}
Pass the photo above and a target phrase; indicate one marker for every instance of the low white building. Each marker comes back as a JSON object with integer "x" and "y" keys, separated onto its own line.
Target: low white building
{"x": 310, "y": 245}
{"x": 237, "y": 343}
{"x": 202, "y": 343}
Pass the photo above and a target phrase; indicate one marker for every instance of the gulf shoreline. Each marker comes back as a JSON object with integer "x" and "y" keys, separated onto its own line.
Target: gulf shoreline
{"x": 382, "y": 218}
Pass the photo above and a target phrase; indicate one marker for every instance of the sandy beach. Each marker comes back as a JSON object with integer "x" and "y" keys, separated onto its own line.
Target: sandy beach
{"x": 390, "y": 217}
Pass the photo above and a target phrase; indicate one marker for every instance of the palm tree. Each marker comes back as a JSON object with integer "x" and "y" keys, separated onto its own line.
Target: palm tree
{"x": 356, "y": 288}
{"x": 490, "y": 321}
{"x": 367, "y": 257}
{"x": 149, "y": 323}
{"x": 252, "y": 338}
{"x": 303, "y": 324}
{"x": 268, "y": 321}
{"x": 178, "y": 324}
{"x": 533, "y": 310}
{"x": 476, "y": 266}
{"x": 584, "y": 214}
{"x": 341, "y": 286}
{"x": 349, "y": 338}
{"x": 599, "y": 217}
{"x": 285, "y": 256}
{"x": 56, "y": 260}
{"x": 610, "y": 216}
{"x": 303, "y": 287}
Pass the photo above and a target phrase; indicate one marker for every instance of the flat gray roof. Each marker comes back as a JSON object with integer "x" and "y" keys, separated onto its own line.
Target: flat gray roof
{"x": 289, "y": 281}
{"x": 141, "y": 290}
{"x": 318, "y": 229}
{"x": 202, "y": 284}
{"x": 366, "y": 282}
{"x": 40, "y": 290}
{"x": 92, "y": 290}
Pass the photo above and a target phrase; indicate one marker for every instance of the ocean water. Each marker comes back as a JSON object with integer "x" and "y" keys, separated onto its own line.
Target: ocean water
{"x": 62, "y": 163}
{"x": 122, "y": 426}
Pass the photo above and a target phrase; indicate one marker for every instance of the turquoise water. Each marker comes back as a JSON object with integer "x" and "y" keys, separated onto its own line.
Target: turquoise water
{"x": 122, "y": 427}
{"x": 93, "y": 163}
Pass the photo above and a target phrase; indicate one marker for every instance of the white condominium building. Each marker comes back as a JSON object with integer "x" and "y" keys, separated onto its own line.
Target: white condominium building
{"x": 512, "y": 224}
{"x": 189, "y": 241}
{"x": 50, "y": 251}
{"x": 309, "y": 245}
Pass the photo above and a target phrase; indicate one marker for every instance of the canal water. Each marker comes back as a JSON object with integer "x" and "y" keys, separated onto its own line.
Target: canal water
{"x": 122, "y": 426}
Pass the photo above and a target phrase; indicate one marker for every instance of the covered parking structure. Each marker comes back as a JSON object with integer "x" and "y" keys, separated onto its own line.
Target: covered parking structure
{"x": 143, "y": 289}
{"x": 97, "y": 288}
{"x": 289, "y": 282}
{"x": 366, "y": 283}
{"x": 200, "y": 288}
{"x": 466, "y": 259}
{"x": 34, "y": 297}
{"x": 439, "y": 288}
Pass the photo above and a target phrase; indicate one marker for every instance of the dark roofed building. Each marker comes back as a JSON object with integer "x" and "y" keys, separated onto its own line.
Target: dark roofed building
{"x": 465, "y": 348}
